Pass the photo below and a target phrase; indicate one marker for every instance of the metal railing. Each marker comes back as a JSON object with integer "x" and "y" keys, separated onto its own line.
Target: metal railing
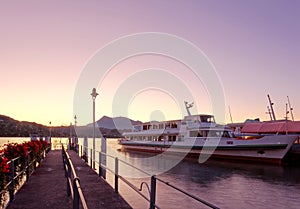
{"x": 151, "y": 190}
{"x": 16, "y": 173}
{"x": 73, "y": 182}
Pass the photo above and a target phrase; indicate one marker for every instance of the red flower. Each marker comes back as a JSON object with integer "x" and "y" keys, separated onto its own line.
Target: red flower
{"x": 4, "y": 165}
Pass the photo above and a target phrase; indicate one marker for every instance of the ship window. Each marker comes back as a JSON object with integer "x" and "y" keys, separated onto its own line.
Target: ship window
{"x": 226, "y": 134}
{"x": 193, "y": 133}
{"x": 207, "y": 119}
{"x": 137, "y": 128}
{"x": 213, "y": 134}
{"x": 181, "y": 138}
{"x": 172, "y": 138}
{"x": 161, "y": 126}
{"x": 204, "y": 133}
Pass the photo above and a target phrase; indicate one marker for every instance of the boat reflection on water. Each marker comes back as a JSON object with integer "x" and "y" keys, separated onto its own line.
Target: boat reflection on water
{"x": 225, "y": 184}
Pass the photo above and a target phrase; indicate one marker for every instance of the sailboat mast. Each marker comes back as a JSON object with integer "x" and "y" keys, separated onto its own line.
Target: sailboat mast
{"x": 271, "y": 106}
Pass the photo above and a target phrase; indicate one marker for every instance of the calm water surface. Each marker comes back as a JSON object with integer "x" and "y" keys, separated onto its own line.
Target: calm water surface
{"x": 224, "y": 184}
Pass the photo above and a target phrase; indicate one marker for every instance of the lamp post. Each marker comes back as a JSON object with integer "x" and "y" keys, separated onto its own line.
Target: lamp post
{"x": 75, "y": 121}
{"x": 50, "y": 129}
{"x": 70, "y": 137}
{"x": 75, "y": 135}
{"x": 50, "y": 135}
{"x": 94, "y": 94}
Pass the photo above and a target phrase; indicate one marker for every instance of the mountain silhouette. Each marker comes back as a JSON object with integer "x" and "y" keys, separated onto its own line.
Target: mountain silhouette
{"x": 119, "y": 123}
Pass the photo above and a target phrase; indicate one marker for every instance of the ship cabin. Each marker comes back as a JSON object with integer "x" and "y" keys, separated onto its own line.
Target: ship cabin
{"x": 155, "y": 131}
{"x": 211, "y": 132}
{"x": 196, "y": 121}
{"x": 156, "y": 125}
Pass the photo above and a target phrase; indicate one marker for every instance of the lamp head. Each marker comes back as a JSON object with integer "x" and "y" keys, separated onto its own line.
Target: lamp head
{"x": 94, "y": 93}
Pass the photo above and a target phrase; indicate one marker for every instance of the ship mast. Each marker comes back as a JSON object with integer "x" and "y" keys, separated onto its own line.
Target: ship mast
{"x": 269, "y": 112}
{"x": 188, "y": 106}
{"x": 291, "y": 109}
{"x": 271, "y": 106}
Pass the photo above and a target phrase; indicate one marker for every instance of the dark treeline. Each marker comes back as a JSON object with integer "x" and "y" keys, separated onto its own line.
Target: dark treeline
{"x": 10, "y": 127}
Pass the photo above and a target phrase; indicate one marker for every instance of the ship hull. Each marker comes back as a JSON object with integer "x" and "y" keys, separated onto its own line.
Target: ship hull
{"x": 268, "y": 149}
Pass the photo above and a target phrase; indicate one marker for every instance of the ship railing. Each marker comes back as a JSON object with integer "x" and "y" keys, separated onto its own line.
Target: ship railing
{"x": 151, "y": 198}
{"x": 73, "y": 182}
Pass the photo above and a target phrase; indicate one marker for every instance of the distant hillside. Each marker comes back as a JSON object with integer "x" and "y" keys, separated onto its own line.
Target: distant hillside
{"x": 110, "y": 127}
{"x": 10, "y": 127}
{"x": 119, "y": 123}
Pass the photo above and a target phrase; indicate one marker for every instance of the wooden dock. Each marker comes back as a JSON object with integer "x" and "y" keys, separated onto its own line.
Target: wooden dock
{"x": 47, "y": 188}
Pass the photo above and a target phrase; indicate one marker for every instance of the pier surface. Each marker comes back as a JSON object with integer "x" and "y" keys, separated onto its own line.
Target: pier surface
{"x": 47, "y": 188}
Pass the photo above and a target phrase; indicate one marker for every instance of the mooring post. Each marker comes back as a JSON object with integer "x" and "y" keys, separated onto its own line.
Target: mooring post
{"x": 153, "y": 192}
{"x": 116, "y": 175}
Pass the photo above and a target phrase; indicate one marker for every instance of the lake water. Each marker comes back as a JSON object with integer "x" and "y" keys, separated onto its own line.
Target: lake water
{"x": 224, "y": 184}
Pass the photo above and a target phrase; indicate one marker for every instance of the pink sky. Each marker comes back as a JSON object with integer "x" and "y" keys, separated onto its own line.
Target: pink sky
{"x": 254, "y": 46}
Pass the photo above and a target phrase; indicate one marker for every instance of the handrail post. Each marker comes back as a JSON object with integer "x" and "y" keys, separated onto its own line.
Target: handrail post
{"x": 27, "y": 168}
{"x": 65, "y": 164}
{"x": 12, "y": 183}
{"x": 76, "y": 194}
{"x": 34, "y": 163}
{"x": 91, "y": 158}
{"x": 100, "y": 173}
{"x": 116, "y": 175}
{"x": 153, "y": 192}
{"x": 68, "y": 178}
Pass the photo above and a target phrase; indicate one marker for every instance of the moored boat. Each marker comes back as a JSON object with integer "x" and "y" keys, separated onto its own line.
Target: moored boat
{"x": 197, "y": 135}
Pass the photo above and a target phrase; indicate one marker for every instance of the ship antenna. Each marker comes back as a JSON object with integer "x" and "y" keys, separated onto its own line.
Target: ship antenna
{"x": 188, "y": 106}
{"x": 230, "y": 114}
{"x": 291, "y": 109}
{"x": 269, "y": 112}
{"x": 286, "y": 117}
{"x": 271, "y": 106}
{"x": 286, "y": 111}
